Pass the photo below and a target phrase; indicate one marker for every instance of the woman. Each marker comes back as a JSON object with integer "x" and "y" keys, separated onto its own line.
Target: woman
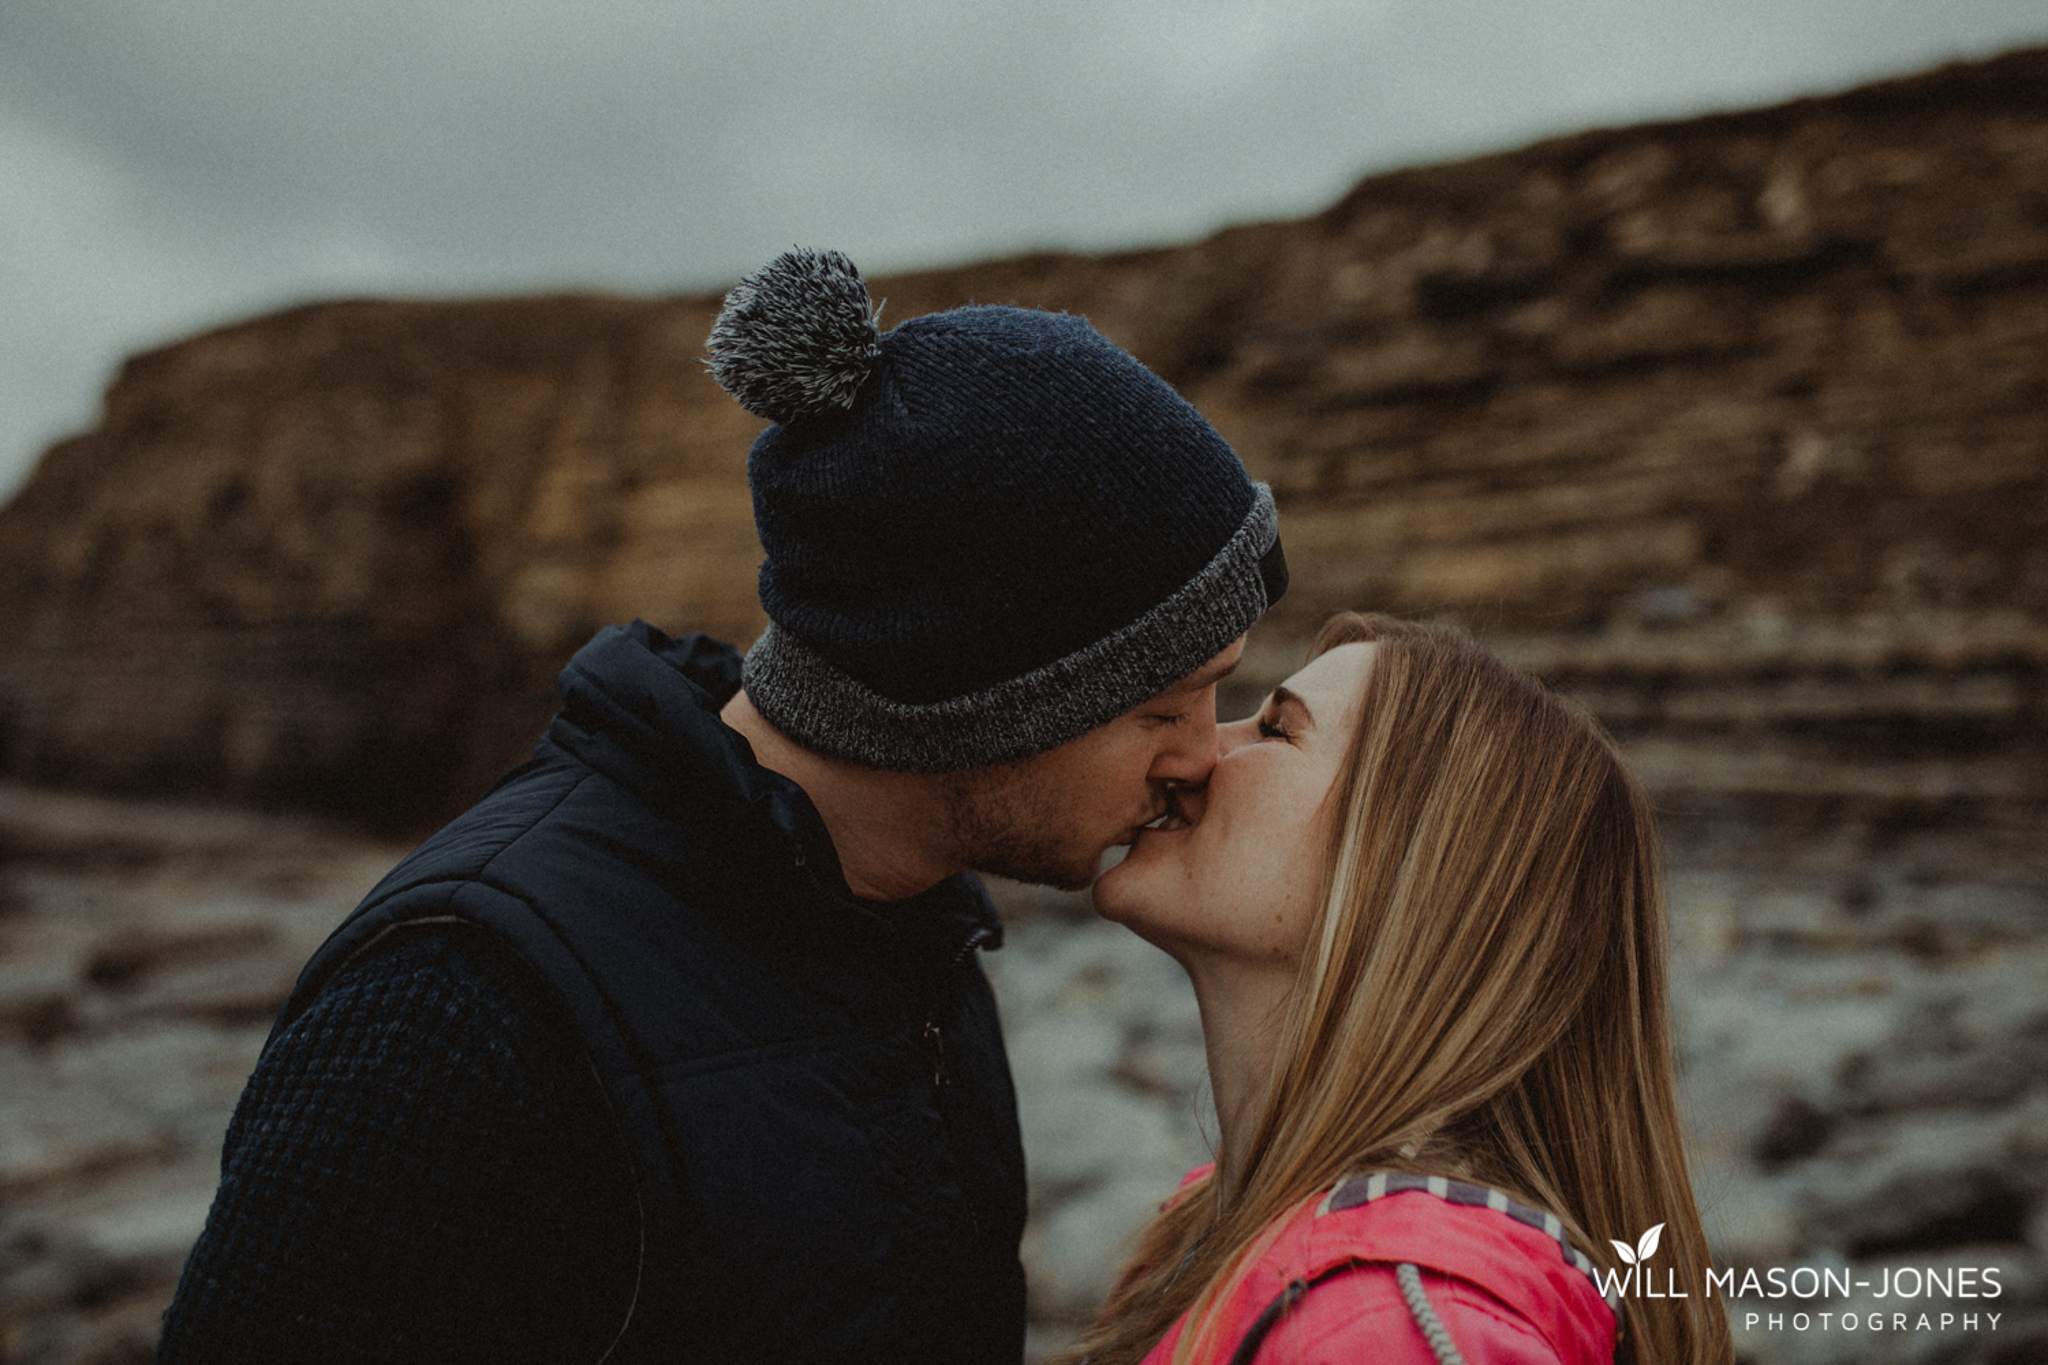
{"x": 1420, "y": 904}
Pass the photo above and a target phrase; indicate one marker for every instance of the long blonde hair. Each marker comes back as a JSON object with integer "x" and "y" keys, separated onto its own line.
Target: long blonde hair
{"x": 1483, "y": 995}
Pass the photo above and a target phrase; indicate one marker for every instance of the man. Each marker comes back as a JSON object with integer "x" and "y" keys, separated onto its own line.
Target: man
{"x": 675, "y": 1046}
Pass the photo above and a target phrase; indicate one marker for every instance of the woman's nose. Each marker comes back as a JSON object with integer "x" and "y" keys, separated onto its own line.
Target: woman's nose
{"x": 1236, "y": 734}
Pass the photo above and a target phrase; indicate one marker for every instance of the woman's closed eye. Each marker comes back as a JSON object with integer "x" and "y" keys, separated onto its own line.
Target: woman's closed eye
{"x": 1284, "y": 717}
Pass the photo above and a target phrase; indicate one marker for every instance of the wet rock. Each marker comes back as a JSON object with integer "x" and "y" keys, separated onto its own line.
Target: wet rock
{"x": 136, "y": 989}
{"x": 1106, "y": 1049}
{"x": 1795, "y": 1129}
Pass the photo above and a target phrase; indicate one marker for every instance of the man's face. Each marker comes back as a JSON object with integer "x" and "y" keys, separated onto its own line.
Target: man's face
{"x": 1049, "y": 818}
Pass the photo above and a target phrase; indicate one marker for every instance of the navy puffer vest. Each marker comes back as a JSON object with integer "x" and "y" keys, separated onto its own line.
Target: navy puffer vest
{"x": 812, "y": 1088}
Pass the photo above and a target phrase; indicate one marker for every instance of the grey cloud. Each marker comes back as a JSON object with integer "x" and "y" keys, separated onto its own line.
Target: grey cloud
{"x": 238, "y": 154}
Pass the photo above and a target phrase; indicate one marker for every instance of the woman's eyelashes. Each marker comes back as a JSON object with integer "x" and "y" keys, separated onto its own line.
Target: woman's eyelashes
{"x": 1284, "y": 717}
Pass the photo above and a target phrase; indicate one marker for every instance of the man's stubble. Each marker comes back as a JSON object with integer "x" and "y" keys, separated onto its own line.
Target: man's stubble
{"x": 1010, "y": 822}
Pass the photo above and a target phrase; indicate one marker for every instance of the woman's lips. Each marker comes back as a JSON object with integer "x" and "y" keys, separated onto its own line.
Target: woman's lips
{"x": 1183, "y": 811}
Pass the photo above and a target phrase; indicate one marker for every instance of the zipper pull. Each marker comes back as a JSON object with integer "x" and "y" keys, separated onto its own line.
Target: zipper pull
{"x": 935, "y": 1042}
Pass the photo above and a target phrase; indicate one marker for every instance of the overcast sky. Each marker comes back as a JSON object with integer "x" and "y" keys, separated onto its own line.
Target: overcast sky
{"x": 170, "y": 164}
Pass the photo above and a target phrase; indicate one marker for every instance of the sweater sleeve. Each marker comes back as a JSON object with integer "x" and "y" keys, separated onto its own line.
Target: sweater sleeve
{"x": 422, "y": 1168}
{"x": 1361, "y": 1315}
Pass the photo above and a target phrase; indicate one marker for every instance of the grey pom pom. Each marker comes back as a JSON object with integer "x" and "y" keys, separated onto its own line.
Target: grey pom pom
{"x": 796, "y": 338}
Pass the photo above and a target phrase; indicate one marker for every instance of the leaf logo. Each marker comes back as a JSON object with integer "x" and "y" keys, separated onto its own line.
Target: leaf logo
{"x": 1643, "y": 1250}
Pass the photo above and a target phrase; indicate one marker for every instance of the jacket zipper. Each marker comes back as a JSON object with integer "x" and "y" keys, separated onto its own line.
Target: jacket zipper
{"x": 935, "y": 1048}
{"x": 935, "y": 1045}
{"x": 934, "y": 1036}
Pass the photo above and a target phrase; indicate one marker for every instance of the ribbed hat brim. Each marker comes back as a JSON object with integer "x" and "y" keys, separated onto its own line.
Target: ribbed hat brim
{"x": 819, "y": 706}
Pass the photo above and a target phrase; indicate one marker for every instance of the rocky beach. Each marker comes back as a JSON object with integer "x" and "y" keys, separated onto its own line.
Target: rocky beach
{"x": 1734, "y": 429}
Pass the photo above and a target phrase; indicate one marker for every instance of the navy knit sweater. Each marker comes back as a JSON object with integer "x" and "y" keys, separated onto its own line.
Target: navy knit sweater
{"x": 420, "y": 1169}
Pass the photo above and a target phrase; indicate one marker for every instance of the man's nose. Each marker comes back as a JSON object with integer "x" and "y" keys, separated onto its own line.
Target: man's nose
{"x": 1190, "y": 753}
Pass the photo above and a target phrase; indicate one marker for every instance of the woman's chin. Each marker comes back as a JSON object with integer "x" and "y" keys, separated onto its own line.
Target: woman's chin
{"x": 1118, "y": 893}
{"x": 1131, "y": 893}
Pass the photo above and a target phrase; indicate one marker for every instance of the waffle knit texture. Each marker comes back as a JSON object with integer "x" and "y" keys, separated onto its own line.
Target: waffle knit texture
{"x": 420, "y": 1169}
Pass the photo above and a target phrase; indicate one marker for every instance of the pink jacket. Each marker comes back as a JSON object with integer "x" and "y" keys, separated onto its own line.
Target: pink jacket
{"x": 1499, "y": 1277}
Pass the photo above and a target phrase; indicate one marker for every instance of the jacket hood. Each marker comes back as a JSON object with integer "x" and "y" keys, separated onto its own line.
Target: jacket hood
{"x": 641, "y": 708}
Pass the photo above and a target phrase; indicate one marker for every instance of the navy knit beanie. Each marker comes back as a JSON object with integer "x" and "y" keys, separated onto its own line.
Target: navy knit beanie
{"x": 988, "y": 531}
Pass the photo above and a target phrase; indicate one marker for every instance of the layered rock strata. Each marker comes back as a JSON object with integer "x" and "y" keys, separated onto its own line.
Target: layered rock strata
{"x": 1717, "y": 420}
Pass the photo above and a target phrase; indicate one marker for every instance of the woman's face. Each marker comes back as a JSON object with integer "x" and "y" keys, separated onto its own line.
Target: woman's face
{"x": 1236, "y": 873}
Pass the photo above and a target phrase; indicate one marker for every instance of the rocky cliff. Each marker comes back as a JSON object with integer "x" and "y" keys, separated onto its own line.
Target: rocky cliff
{"x": 1710, "y": 415}
{"x": 1736, "y": 428}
